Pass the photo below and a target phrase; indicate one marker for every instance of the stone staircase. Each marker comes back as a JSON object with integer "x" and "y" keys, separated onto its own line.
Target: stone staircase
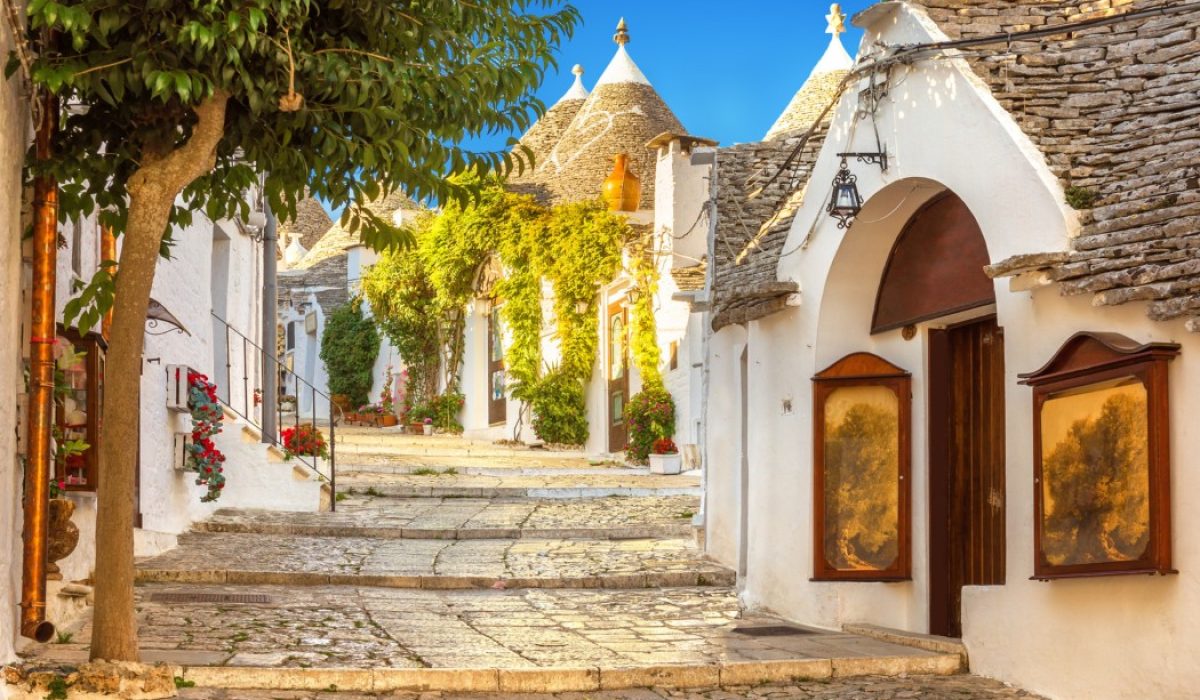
{"x": 519, "y": 576}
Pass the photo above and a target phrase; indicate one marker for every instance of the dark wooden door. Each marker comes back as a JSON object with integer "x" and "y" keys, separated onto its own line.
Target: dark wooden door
{"x": 966, "y": 467}
{"x": 497, "y": 400}
{"x": 618, "y": 375}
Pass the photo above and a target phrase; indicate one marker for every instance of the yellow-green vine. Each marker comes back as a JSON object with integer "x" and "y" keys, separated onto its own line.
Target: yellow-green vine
{"x": 575, "y": 247}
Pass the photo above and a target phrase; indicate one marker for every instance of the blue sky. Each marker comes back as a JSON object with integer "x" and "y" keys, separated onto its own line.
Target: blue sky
{"x": 727, "y": 69}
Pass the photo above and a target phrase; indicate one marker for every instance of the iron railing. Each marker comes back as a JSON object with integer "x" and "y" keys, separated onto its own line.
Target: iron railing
{"x": 242, "y": 355}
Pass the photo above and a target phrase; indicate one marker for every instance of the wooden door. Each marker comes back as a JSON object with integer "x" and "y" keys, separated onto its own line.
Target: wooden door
{"x": 618, "y": 375}
{"x": 966, "y": 467}
{"x": 497, "y": 400}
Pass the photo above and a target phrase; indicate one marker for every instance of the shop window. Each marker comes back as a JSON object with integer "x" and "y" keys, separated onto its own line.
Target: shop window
{"x": 79, "y": 393}
{"x": 1101, "y": 458}
{"x": 862, "y": 499}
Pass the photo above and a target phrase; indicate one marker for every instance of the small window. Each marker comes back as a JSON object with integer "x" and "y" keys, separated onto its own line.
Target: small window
{"x": 77, "y": 247}
{"x": 862, "y": 499}
{"x": 1101, "y": 462}
{"x": 674, "y": 352}
{"x": 291, "y": 336}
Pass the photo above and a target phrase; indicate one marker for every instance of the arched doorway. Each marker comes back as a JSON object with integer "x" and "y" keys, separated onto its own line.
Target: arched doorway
{"x": 935, "y": 272}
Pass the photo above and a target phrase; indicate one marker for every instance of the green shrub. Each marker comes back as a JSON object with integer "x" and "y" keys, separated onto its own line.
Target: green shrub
{"x": 559, "y": 412}
{"x": 349, "y": 347}
{"x": 445, "y": 409}
{"x": 650, "y": 415}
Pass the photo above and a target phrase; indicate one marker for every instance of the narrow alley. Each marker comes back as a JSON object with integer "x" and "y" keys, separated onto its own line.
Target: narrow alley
{"x": 457, "y": 566}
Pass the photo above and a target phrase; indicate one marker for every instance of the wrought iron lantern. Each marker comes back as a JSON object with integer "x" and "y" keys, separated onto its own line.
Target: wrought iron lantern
{"x": 845, "y": 202}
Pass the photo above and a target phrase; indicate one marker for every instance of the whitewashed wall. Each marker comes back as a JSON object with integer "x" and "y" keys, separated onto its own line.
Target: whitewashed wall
{"x": 1116, "y": 637}
{"x": 13, "y": 136}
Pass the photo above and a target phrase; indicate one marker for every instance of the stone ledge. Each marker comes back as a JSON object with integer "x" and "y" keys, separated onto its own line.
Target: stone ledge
{"x": 568, "y": 679}
{"x": 928, "y": 642}
{"x": 405, "y": 533}
{"x": 659, "y": 579}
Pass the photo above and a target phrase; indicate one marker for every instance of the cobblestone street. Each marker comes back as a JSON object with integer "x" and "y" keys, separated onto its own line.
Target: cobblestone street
{"x": 578, "y": 591}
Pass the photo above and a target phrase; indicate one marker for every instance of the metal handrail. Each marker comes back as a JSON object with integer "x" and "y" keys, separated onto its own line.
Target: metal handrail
{"x": 248, "y": 404}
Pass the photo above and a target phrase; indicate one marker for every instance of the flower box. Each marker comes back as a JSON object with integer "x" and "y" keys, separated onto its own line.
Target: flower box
{"x": 666, "y": 463}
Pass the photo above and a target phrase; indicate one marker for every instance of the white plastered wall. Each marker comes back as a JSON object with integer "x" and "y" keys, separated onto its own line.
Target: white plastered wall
{"x": 1118, "y": 637}
{"x": 14, "y": 128}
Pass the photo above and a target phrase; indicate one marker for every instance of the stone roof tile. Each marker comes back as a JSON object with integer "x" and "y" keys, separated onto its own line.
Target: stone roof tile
{"x": 1114, "y": 111}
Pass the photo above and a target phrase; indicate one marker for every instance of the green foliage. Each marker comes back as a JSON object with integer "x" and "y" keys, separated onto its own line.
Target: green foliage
{"x": 1080, "y": 197}
{"x": 444, "y": 411}
{"x": 181, "y": 682}
{"x": 349, "y": 346}
{"x": 582, "y": 251}
{"x": 647, "y": 356}
{"x": 650, "y": 415}
{"x": 419, "y": 296}
{"x": 560, "y": 415}
{"x": 345, "y": 100}
{"x": 57, "y": 688}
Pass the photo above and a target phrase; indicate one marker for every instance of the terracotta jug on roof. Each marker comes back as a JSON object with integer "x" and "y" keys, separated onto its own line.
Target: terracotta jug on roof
{"x": 622, "y": 189}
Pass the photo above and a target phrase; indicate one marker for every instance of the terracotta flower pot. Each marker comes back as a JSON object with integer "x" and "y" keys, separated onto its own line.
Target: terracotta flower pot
{"x": 416, "y": 428}
{"x": 64, "y": 536}
{"x": 388, "y": 421}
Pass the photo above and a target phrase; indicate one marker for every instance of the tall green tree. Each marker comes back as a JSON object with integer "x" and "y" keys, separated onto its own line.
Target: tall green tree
{"x": 177, "y": 106}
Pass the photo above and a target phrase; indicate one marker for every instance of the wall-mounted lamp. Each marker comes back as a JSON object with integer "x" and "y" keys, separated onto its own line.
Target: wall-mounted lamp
{"x": 845, "y": 203}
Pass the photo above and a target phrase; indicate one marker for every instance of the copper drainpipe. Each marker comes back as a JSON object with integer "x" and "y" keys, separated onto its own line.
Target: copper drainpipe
{"x": 41, "y": 387}
{"x": 108, "y": 252}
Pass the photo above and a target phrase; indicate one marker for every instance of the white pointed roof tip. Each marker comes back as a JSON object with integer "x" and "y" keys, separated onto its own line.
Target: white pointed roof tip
{"x": 622, "y": 69}
{"x": 577, "y": 91}
{"x": 835, "y": 58}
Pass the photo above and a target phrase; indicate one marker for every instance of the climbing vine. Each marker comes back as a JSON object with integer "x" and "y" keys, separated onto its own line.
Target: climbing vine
{"x": 574, "y": 248}
{"x": 644, "y": 342}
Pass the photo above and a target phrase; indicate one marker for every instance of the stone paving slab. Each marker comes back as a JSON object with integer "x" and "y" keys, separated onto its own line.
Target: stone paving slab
{"x": 206, "y": 557}
{"x": 545, "y": 486}
{"x": 960, "y": 687}
{"x": 614, "y": 638}
{"x": 473, "y": 518}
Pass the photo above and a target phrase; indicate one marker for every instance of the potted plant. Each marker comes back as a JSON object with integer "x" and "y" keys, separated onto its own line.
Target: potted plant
{"x": 428, "y": 426}
{"x": 368, "y": 414}
{"x": 287, "y": 403}
{"x": 664, "y": 457}
{"x": 387, "y": 406}
{"x": 304, "y": 440}
{"x": 417, "y": 416}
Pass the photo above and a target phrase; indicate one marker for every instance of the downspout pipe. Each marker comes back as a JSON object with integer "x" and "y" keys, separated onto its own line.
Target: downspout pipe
{"x": 270, "y": 379}
{"x": 41, "y": 386}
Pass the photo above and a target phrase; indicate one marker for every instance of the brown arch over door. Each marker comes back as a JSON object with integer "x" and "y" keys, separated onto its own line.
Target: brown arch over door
{"x": 935, "y": 268}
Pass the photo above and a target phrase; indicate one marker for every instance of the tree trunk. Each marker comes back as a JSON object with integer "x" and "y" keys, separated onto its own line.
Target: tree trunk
{"x": 152, "y": 192}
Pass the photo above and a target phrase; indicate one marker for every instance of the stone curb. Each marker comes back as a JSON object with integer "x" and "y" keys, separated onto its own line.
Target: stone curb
{"x": 566, "y": 680}
{"x": 520, "y": 491}
{"x": 928, "y": 642}
{"x": 406, "y": 533}
{"x": 662, "y": 579}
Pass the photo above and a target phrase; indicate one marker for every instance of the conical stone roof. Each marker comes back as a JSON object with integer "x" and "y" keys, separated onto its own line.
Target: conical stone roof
{"x": 547, "y": 131}
{"x": 337, "y": 239}
{"x": 311, "y": 222}
{"x": 821, "y": 86}
{"x": 623, "y": 113}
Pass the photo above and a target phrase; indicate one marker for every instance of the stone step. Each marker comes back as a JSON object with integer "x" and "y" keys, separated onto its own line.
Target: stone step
{"x": 424, "y": 468}
{"x": 378, "y": 640}
{"x": 684, "y": 529}
{"x": 549, "y": 486}
{"x": 253, "y": 558}
{"x": 544, "y": 492}
{"x": 608, "y": 581}
{"x": 472, "y": 518}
